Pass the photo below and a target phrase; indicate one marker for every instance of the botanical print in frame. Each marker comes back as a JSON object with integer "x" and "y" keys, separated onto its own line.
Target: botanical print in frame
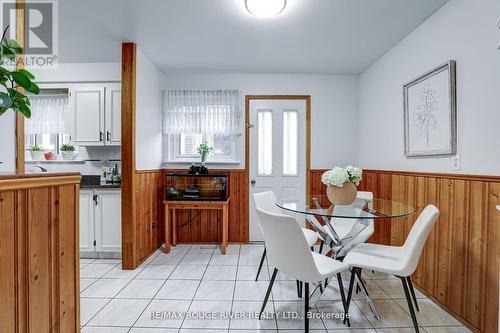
{"x": 430, "y": 112}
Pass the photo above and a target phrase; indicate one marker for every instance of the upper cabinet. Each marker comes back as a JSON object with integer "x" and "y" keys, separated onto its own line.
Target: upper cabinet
{"x": 95, "y": 114}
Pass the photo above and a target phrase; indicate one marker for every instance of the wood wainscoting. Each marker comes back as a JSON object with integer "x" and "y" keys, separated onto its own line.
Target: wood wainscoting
{"x": 206, "y": 225}
{"x": 39, "y": 253}
{"x": 459, "y": 267}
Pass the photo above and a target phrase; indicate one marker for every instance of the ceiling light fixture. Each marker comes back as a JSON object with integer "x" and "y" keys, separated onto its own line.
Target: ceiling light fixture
{"x": 265, "y": 8}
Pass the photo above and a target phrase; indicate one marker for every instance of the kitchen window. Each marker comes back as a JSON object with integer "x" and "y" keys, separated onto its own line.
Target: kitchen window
{"x": 193, "y": 117}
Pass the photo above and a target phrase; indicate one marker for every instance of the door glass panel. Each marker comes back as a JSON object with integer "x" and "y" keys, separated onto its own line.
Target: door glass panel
{"x": 265, "y": 145}
{"x": 290, "y": 143}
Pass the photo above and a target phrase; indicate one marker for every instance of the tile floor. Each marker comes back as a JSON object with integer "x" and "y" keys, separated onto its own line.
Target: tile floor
{"x": 199, "y": 279}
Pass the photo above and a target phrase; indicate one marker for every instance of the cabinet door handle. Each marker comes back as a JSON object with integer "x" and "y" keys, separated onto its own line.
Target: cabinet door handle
{"x": 101, "y": 136}
{"x": 96, "y": 199}
{"x": 108, "y": 136}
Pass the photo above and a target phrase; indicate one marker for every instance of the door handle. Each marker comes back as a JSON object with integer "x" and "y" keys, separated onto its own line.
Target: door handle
{"x": 101, "y": 136}
{"x": 253, "y": 182}
{"x": 108, "y": 136}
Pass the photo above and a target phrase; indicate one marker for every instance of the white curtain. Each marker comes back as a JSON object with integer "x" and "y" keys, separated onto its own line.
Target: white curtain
{"x": 208, "y": 112}
{"x": 47, "y": 114}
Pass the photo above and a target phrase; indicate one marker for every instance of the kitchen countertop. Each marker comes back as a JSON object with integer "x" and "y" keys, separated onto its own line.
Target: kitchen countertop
{"x": 91, "y": 181}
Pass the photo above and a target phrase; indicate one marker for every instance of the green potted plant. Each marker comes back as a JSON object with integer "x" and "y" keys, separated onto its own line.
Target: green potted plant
{"x": 13, "y": 83}
{"x": 67, "y": 152}
{"x": 204, "y": 150}
{"x": 37, "y": 153}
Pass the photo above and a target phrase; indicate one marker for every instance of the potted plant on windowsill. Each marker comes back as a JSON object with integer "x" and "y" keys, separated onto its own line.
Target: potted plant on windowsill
{"x": 204, "y": 150}
{"x": 13, "y": 83}
{"x": 67, "y": 152}
{"x": 342, "y": 184}
{"x": 37, "y": 153}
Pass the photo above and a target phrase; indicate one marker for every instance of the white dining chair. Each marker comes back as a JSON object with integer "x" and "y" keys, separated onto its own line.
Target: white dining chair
{"x": 400, "y": 261}
{"x": 288, "y": 252}
{"x": 267, "y": 201}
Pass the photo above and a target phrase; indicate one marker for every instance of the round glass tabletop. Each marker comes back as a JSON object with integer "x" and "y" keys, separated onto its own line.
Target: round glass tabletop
{"x": 361, "y": 208}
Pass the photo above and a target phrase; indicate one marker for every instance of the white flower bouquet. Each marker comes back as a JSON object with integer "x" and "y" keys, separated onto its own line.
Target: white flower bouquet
{"x": 339, "y": 176}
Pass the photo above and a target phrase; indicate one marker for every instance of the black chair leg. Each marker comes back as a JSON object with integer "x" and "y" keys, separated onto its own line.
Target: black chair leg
{"x": 321, "y": 247}
{"x": 344, "y": 301}
{"x": 306, "y": 308}
{"x": 358, "y": 273}
{"x": 299, "y": 288}
{"x": 268, "y": 291}
{"x": 412, "y": 291}
{"x": 410, "y": 303}
{"x": 349, "y": 292}
{"x": 261, "y": 263}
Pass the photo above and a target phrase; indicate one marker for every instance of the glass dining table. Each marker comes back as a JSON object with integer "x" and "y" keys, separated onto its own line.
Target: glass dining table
{"x": 341, "y": 227}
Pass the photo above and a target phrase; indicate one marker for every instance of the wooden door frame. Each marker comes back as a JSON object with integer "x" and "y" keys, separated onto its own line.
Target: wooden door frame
{"x": 248, "y": 99}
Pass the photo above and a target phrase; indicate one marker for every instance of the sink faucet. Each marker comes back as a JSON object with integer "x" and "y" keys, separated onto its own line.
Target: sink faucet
{"x": 40, "y": 167}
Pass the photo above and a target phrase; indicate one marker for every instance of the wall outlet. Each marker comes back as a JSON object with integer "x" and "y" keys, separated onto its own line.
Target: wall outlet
{"x": 456, "y": 162}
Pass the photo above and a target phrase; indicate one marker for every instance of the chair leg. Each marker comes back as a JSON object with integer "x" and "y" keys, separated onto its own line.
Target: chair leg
{"x": 306, "y": 308}
{"x": 349, "y": 292}
{"x": 261, "y": 263}
{"x": 321, "y": 247}
{"x": 268, "y": 291}
{"x": 344, "y": 301}
{"x": 410, "y": 303}
{"x": 312, "y": 248}
{"x": 299, "y": 288}
{"x": 412, "y": 291}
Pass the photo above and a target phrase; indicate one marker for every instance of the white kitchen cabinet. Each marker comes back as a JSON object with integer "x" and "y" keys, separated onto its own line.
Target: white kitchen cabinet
{"x": 113, "y": 114}
{"x": 87, "y": 223}
{"x": 100, "y": 223}
{"x": 108, "y": 221}
{"x": 87, "y": 113}
{"x": 95, "y": 114}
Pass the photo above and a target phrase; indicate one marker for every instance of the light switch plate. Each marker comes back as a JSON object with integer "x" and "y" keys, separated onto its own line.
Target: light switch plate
{"x": 456, "y": 162}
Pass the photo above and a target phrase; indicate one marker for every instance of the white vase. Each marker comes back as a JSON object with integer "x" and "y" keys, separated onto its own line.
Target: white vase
{"x": 37, "y": 155}
{"x": 68, "y": 155}
{"x": 344, "y": 195}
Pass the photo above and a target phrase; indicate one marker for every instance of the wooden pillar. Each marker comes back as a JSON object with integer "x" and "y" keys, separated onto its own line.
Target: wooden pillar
{"x": 20, "y": 19}
{"x": 129, "y": 236}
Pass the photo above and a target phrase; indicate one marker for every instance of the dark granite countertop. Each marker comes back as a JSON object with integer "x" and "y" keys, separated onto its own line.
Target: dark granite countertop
{"x": 92, "y": 181}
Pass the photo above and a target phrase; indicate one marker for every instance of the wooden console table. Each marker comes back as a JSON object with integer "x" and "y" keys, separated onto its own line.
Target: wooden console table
{"x": 170, "y": 206}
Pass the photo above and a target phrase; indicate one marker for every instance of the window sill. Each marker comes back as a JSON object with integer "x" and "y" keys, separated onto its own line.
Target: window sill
{"x": 55, "y": 161}
{"x": 207, "y": 163}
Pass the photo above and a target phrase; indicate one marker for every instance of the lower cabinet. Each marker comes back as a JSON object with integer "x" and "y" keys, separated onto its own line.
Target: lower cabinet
{"x": 100, "y": 224}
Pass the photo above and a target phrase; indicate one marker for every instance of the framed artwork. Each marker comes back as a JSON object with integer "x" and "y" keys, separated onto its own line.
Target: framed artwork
{"x": 430, "y": 113}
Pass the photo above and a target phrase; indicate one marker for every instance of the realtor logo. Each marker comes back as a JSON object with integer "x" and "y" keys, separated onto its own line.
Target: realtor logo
{"x": 40, "y": 30}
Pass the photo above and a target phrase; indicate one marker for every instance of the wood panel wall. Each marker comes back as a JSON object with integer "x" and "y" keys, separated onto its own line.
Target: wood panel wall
{"x": 459, "y": 266}
{"x": 206, "y": 225}
{"x": 39, "y": 254}
{"x": 149, "y": 212}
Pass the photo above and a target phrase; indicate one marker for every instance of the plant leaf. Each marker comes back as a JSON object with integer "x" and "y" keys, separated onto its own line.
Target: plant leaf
{"x": 24, "y": 109}
{"x": 27, "y": 74}
{"x": 14, "y": 45}
{"x": 5, "y": 100}
{"x": 21, "y": 80}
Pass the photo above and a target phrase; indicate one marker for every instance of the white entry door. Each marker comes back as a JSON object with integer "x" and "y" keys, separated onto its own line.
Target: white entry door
{"x": 277, "y": 154}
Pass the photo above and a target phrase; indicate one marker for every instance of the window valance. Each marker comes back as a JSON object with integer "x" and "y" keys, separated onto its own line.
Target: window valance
{"x": 47, "y": 114}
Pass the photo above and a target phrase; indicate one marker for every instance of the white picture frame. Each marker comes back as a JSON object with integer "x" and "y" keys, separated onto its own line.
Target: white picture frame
{"x": 430, "y": 113}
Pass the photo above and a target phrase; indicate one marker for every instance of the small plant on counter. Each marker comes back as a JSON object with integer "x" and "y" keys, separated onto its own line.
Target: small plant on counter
{"x": 37, "y": 153}
{"x": 67, "y": 151}
{"x": 204, "y": 150}
{"x": 11, "y": 82}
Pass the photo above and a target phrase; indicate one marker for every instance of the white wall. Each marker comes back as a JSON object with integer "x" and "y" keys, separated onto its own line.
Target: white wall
{"x": 334, "y": 104}
{"x": 461, "y": 30}
{"x": 148, "y": 149}
{"x": 80, "y": 72}
{"x": 7, "y": 142}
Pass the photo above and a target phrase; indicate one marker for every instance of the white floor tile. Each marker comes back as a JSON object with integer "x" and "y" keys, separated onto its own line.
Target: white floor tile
{"x": 220, "y": 273}
{"x": 178, "y": 289}
{"x": 119, "y": 273}
{"x": 120, "y": 312}
{"x": 105, "y": 288}
{"x": 85, "y": 282}
{"x": 196, "y": 259}
{"x": 224, "y": 259}
{"x": 96, "y": 270}
{"x": 285, "y": 291}
{"x": 394, "y": 288}
{"x": 251, "y": 290}
{"x": 141, "y": 289}
{"x": 152, "y": 330}
{"x": 192, "y": 272}
{"x": 353, "y": 330}
{"x": 251, "y": 259}
{"x": 163, "y": 313}
{"x": 430, "y": 314}
{"x": 248, "y": 273}
{"x": 336, "y": 311}
{"x": 215, "y": 290}
{"x": 167, "y": 259}
{"x": 156, "y": 272}
{"x": 101, "y": 329}
{"x": 252, "y": 249}
{"x": 199, "y": 249}
{"x": 374, "y": 291}
{"x": 296, "y": 308}
{"x": 86, "y": 261}
{"x": 233, "y": 249}
{"x": 454, "y": 329}
{"x": 89, "y": 307}
{"x": 107, "y": 261}
{"x": 202, "y": 308}
{"x": 392, "y": 314}
{"x": 248, "y": 321}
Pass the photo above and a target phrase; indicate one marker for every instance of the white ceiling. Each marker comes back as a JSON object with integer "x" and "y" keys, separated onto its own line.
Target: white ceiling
{"x": 311, "y": 36}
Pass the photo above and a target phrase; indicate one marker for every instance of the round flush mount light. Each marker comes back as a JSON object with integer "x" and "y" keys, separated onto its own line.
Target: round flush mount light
{"x": 265, "y": 8}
